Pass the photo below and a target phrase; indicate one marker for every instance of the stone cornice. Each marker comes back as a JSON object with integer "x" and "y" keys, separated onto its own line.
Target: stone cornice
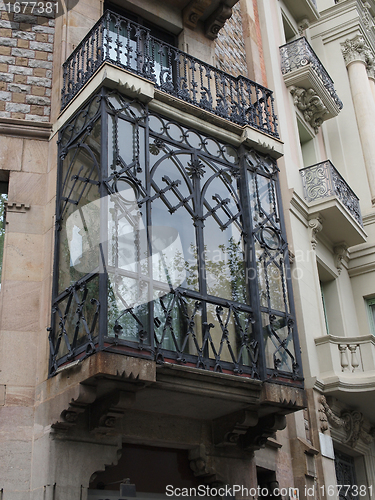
{"x": 22, "y": 128}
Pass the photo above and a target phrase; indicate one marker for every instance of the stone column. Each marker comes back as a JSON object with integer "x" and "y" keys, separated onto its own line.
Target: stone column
{"x": 357, "y": 58}
{"x": 371, "y": 77}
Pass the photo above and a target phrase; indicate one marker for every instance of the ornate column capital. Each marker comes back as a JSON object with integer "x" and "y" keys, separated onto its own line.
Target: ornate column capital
{"x": 354, "y": 49}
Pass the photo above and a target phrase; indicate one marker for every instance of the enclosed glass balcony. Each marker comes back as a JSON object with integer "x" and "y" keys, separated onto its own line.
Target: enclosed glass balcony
{"x": 170, "y": 246}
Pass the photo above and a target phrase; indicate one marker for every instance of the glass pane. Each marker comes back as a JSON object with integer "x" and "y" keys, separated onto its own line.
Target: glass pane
{"x": 174, "y": 248}
{"x": 278, "y": 342}
{"x": 80, "y": 225}
{"x": 223, "y": 243}
{"x": 128, "y": 308}
{"x": 173, "y": 232}
{"x": 127, "y": 229}
{"x": 262, "y": 197}
{"x": 177, "y": 323}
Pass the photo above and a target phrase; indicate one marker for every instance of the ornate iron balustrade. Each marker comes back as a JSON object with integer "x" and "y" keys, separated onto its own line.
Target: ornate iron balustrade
{"x": 130, "y": 46}
{"x": 323, "y": 180}
{"x": 299, "y": 53}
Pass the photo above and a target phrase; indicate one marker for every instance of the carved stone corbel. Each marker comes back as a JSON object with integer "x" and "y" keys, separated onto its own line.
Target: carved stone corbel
{"x": 256, "y": 437}
{"x": 310, "y": 104}
{"x": 302, "y": 26}
{"x": 106, "y": 411}
{"x": 217, "y": 20}
{"x": 69, "y": 416}
{"x": 194, "y": 11}
{"x": 201, "y": 464}
{"x": 341, "y": 255}
{"x": 315, "y": 226}
{"x": 351, "y": 421}
{"x": 228, "y": 430}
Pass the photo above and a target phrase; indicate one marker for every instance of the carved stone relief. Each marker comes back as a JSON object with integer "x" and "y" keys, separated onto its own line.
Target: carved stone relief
{"x": 310, "y": 104}
{"x": 341, "y": 255}
{"x": 315, "y": 226}
{"x": 356, "y": 49}
{"x": 351, "y": 421}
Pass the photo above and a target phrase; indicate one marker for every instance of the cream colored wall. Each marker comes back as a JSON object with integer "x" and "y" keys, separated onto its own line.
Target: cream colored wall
{"x": 341, "y": 134}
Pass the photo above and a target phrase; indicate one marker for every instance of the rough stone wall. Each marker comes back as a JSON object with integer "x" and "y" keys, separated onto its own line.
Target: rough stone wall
{"x": 26, "y": 54}
{"x": 230, "y": 48}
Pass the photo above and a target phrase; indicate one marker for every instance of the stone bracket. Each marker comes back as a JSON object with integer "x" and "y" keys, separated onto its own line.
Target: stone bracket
{"x": 213, "y": 13}
{"x": 106, "y": 411}
{"x": 68, "y": 417}
{"x": 246, "y": 429}
{"x": 201, "y": 463}
{"x": 228, "y": 430}
{"x": 217, "y": 20}
{"x": 311, "y": 105}
{"x": 256, "y": 437}
{"x": 194, "y": 11}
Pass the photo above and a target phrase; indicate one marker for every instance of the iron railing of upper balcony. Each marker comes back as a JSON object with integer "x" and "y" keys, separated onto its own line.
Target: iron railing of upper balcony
{"x": 299, "y": 53}
{"x": 323, "y": 180}
{"x": 131, "y": 46}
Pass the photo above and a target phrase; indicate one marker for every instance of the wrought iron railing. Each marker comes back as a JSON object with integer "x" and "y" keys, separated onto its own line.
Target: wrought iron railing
{"x": 299, "y": 53}
{"x": 131, "y": 46}
{"x": 323, "y": 180}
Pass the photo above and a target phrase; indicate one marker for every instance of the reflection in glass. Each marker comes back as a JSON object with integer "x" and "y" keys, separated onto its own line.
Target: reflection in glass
{"x": 79, "y": 236}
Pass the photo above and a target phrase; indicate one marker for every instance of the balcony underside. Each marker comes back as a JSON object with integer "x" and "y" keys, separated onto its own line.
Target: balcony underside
{"x": 303, "y": 9}
{"x": 307, "y": 78}
{"x": 134, "y": 86}
{"x": 108, "y": 389}
{"x": 338, "y": 224}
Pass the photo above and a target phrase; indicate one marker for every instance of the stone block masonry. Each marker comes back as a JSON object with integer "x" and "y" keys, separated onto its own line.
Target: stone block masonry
{"x": 26, "y": 55}
{"x": 230, "y": 48}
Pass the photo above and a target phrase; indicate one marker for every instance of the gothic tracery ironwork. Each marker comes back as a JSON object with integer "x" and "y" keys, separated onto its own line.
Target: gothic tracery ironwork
{"x": 169, "y": 245}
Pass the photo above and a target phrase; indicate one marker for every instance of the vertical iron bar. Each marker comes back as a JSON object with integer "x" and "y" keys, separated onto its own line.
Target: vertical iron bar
{"x": 103, "y": 274}
{"x": 251, "y": 264}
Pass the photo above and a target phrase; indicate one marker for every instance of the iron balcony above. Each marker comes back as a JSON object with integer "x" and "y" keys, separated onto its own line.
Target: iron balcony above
{"x": 333, "y": 203}
{"x": 323, "y": 180}
{"x": 130, "y": 46}
{"x": 301, "y": 67}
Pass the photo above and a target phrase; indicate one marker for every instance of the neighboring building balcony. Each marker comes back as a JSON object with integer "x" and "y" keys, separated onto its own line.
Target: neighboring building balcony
{"x": 303, "y": 9}
{"x": 117, "y": 41}
{"x": 309, "y": 83}
{"x": 332, "y": 199}
{"x": 347, "y": 370}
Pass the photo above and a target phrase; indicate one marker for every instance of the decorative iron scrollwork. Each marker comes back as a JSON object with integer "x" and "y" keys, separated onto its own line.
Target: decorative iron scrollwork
{"x": 132, "y": 47}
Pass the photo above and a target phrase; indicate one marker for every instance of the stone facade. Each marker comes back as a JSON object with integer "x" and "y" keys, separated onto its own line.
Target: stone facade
{"x": 104, "y": 412}
{"x": 26, "y": 60}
